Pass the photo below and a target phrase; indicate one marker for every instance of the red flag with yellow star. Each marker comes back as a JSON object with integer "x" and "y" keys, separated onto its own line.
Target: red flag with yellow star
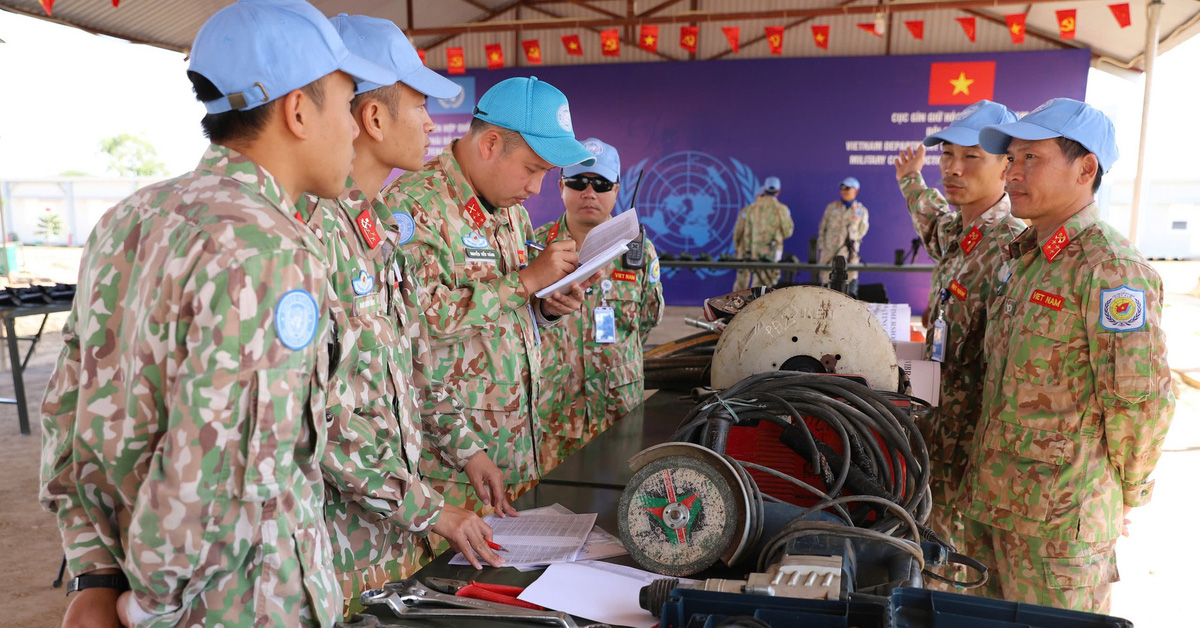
{"x": 775, "y": 39}
{"x": 821, "y": 36}
{"x": 533, "y": 51}
{"x": 917, "y": 28}
{"x": 47, "y": 5}
{"x": 870, "y": 28}
{"x": 571, "y": 43}
{"x": 610, "y": 43}
{"x": 648, "y": 39}
{"x": 1016, "y": 27}
{"x": 495, "y": 56}
{"x": 688, "y": 36}
{"x": 1120, "y": 13}
{"x": 961, "y": 82}
{"x": 455, "y": 63}
{"x": 968, "y": 26}
{"x": 1066, "y": 23}
{"x": 733, "y": 34}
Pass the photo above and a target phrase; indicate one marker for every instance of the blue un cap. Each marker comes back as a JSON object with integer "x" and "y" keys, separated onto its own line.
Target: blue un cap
{"x": 608, "y": 162}
{"x": 539, "y": 112}
{"x": 850, "y": 182}
{"x": 771, "y": 184}
{"x": 381, "y": 40}
{"x": 964, "y": 131}
{"x": 1058, "y": 117}
{"x": 258, "y": 50}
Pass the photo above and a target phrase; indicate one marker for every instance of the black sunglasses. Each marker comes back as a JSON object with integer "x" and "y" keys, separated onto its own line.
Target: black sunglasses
{"x": 580, "y": 182}
{"x": 846, "y": 187}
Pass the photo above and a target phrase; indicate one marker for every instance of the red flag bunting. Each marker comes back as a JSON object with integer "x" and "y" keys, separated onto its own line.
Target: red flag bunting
{"x": 1066, "y": 23}
{"x": 968, "y": 26}
{"x": 775, "y": 39}
{"x": 47, "y": 5}
{"x": 733, "y": 34}
{"x": 870, "y": 28}
{"x": 1121, "y": 13}
{"x": 495, "y": 56}
{"x": 610, "y": 43}
{"x": 571, "y": 43}
{"x": 115, "y": 3}
{"x": 688, "y": 36}
{"x": 648, "y": 39}
{"x": 917, "y": 28}
{"x": 455, "y": 63}
{"x": 421, "y": 53}
{"x": 1016, "y": 27}
{"x": 961, "y": 82}
{"x": 533, "y": 51}
{"x": 821, "y": 36}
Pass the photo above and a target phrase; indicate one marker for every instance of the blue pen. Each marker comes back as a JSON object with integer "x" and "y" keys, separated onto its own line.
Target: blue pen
{"x": 534, "y": 245}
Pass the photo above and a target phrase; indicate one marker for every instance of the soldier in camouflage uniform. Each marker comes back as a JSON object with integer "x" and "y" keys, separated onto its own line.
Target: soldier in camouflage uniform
{"x": 469, "y": 253}
{"x": 182, "y": 432}
{"x": 1077, "y": 397}
{"x": 843, "y": 227}
{"x": 592, "y": 362}
{"x": 378, "y": 508}
{"x": 761, "y": 228}
{"x": 965, "y": 233}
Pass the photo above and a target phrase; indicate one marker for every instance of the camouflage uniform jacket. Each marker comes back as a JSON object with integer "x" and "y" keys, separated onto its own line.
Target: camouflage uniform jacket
{"x": 966, "y": 258}
{"x": 838, "y": 223}
{"x": 374, "y": 491}
{"x": 180, "y": 444}
{"x": 592, "y": 384}
{"x": 1077, "y": 397}
{"x": 761, "y": 228}
{"x": 483, "y": 336}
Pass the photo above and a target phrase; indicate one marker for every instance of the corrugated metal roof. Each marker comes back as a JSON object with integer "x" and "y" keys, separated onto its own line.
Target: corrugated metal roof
{"x": 173, "y": 23}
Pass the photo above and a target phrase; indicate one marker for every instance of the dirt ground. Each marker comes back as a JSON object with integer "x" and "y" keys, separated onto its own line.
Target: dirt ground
{"x": 1157, "y": 562}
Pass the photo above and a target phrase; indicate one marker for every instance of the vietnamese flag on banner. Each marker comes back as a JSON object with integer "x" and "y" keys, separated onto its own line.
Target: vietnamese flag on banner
{"x": 1016, "y": 27}
{"x": 421, "y": 53}
{"x": 1121, "y": 13}
{"x": 455, "y": 63}
{"x": 1066, "y": 23}
{"x": 47, "y": 5}
{"x": 495, "y": 56}
{"x": 968, "y": 26}
{"x": 648, "y": 39}
{"x": 775, "y": 38}
{"x": 961, "y": 82}
{"x": 870, "y": 28}
{"x": 533, "y": 51}
{"x": 688, "y": 36}
{"x": 917, "y": 28}
{"x": 821, "y": 36}
{"x": 571, "y": 43}
{"x": 732, "y": 33}
{"x": 610, "y": 43}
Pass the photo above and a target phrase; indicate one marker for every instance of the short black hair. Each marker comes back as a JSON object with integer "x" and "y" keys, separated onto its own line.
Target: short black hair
{"x": 512, "y": 139}
{"x": 388, "y": 95}
{"x": 235, "y": 125}
{"x": 1074, "y": 150}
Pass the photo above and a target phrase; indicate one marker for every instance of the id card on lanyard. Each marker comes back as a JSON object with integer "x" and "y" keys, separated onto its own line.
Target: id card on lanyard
{"x": 604, "y": 318}
{"x": 937, "y": 351}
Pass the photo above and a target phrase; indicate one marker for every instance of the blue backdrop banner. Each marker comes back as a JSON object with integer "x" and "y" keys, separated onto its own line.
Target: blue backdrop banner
{"x": 708, "y": 133}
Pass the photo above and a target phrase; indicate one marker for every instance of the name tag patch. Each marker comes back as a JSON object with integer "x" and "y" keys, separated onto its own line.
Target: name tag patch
{"x": 958, "y": 290}
{"x": 1046, "y": 299}
{"x": 482, "y": 255}
{"x": 624, "y": 275}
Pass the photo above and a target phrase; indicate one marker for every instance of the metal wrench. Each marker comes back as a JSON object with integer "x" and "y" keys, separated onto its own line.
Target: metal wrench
{"x": 409, "y": 598}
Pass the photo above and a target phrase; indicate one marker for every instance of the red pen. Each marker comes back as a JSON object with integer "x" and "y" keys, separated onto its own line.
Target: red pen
{"x": 496, "y": 546}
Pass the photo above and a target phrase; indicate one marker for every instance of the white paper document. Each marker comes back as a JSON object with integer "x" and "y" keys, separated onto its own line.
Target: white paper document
{"x": 603, "y": 244}
{"x": 603, "y": 592}
{"x": 599, "y": 544}
{"x": 537, "y": 539}
{"x": 895, "y": 318}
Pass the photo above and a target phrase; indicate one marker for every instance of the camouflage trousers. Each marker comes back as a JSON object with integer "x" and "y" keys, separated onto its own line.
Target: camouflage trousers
{"x": 556, "y": 446}
{"x": 761, "y": 278}
{"x": 947, "y": 522}
{"x": 408, "y": 555}
{"x": 1064, "y": 574}
{"x": 463, "y": 495}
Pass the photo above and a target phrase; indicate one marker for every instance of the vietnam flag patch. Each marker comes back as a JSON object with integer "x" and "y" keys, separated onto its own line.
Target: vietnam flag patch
{"x": 624, "y": 275}
{"x": 961, "y": 82}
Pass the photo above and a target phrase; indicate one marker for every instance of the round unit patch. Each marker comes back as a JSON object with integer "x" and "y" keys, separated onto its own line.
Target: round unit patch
{"x": 966, "y": 113}
{"x": 296, "y": 319}
{"x": 594, "y": 147}
{"x": 654, "y": 271}
{"x": 406, "y": 226}
{"x": 564, "y": 118}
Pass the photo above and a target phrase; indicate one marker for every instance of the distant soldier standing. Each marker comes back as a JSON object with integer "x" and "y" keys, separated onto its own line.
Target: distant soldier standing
{"x": 761, "y": 228}
{"x": 843, "y": 227}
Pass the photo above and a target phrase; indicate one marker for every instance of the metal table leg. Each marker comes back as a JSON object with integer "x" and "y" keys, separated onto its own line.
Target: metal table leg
{"x": 14, "y": 356}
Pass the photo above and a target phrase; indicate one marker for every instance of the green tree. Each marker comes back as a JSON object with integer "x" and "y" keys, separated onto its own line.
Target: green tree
{"x": 130, "y": 155}
{"x": 50, "y": 224}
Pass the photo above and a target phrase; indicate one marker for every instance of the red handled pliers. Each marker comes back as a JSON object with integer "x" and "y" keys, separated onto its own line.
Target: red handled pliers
{"x": 498, "y": 593}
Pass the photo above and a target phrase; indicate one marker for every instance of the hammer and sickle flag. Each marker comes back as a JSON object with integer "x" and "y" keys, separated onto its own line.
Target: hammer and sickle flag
{"x": 775, "y": 39}
{"x": 610, "y": 43}
{"x": 1066, "y": 23}
{"x": 688, "y": 36}
{"x": 1016, "y": 27}
{"x": 533, "y": 51}
{"x": 961, "y": 82}
{"x": 455, "y": 63}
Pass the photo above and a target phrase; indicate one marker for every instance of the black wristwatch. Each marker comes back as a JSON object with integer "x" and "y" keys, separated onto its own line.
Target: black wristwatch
{"x": 116, "y": 581}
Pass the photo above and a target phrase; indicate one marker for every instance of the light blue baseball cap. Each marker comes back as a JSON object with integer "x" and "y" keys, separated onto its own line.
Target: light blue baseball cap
{"x": 608, "y": 162}
{"x": 381, "y": 40}
{"x": 771, "y": 184}
{"x": 964, "y": 131}
{"x": 255, "y": 51}
{"x": 851, "y": 182}
{"x": 1058, "y": 117}
{"x": 539, "y": 112}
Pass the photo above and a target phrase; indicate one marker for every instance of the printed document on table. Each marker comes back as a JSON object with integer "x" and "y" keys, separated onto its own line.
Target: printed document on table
{"x": 603, "y": 592}
{"x": 603, "y": 244}
{"x": 599, "y": 544}
{"x": 895, "y": 318}
{"x": 537, "y": 539}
